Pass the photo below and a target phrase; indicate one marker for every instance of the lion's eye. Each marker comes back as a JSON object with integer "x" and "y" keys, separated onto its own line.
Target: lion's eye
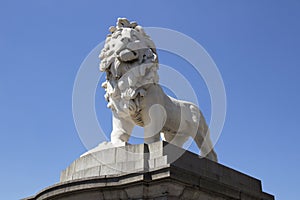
{"x": 134, "y": 36}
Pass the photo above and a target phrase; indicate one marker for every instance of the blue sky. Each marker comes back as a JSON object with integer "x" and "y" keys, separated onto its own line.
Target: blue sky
{"x": 255, "y": 45}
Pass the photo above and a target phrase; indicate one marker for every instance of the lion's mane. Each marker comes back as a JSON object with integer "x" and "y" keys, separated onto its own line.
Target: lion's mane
{"x": 130, "y": 61}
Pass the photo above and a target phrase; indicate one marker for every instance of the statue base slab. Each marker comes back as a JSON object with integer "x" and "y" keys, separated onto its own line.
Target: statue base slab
{"x": 151, "y": 171}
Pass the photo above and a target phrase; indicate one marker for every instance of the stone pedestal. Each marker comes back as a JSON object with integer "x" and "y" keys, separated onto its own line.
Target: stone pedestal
{"x": 154, "y": 171}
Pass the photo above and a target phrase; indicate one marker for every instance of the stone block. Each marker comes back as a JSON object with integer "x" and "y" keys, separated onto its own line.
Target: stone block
{"x": 89, "y": 172}
{"x": 130, "y": 153}
{"x": 155, "y": 171}
{"x": 139, "y": 165}
{"x": 161, "y": 161}
{"x": 164, "y": 190}
{"x": 160, "y": 175}
{"x": 66, "y": 174}
{"x": 126, "y": 167}
{"x": 151, "y": 164}
{"x": 112, "y": 195}
{"x": 121, "y": 155}
{"x": 107, "y": 156}
{"x": 110, "y": 169}
{"x": 86, "y": 162}
{"x": 155, "y": 150}
{"x": 135, "y": 192}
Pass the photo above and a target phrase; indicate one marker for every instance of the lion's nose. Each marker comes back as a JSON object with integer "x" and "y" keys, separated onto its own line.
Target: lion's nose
{"x": 127, "y": 55}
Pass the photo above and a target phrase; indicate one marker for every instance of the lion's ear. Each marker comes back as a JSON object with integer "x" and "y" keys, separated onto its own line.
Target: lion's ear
{"x": 123, "y": 22}
{"x": 112, "y": 29}
{"x": 133, "y": 24}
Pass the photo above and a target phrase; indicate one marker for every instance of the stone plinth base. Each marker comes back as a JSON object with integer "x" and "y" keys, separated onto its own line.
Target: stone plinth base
{"x": 152, "y": 171}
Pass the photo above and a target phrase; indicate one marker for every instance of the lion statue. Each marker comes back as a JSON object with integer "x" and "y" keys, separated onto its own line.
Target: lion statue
{"x": 130, "y": 61}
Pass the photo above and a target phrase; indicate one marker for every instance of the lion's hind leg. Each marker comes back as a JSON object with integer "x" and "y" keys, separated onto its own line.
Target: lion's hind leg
{"x": 206, "y": 147}
{"x": 203, "y": 141}
{"x": 154, "y": 117}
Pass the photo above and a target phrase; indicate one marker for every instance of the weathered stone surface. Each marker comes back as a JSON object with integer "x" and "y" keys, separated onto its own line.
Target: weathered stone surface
{"x": 152, "y": 176}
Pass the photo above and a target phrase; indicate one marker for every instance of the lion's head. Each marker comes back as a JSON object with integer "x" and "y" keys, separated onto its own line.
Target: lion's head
{"x": 130, "y": 61}
{"x": 127, "y": 46}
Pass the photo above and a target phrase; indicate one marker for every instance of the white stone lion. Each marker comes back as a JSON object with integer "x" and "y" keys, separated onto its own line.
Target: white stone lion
{"x": 130, "y": 61}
